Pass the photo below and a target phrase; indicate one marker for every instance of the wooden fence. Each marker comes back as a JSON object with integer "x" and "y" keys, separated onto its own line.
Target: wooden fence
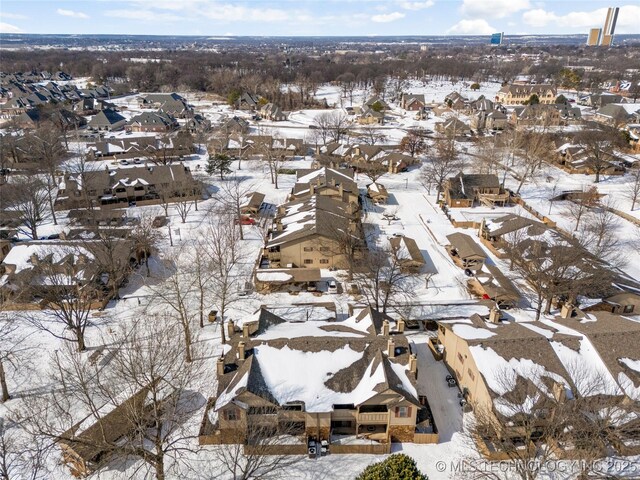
{"x": 423, "y": 438}
{"x": 372, "y": 449}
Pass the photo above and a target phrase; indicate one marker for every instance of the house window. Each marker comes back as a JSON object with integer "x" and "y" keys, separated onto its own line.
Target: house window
{"x": 231, "y": 415}
{"x": 324, "y": 260}
{"x": 308, "y": 261}
{"x": 308, "y": 249}
{"x": 628, "y": 308}
{"x": 471, "y": 375}
{"x": 460, "y": 358}
{"x": 403, "y": 412}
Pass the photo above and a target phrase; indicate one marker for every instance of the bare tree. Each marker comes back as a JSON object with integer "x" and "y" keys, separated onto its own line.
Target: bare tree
{"x": 632, "y": 190}
{"x": 233, "y": 195}
{"x": 599, "y": 145}
{"x": 373, "y": 170}
{"x": 22, "y": 455}
{"x": 414, "y": 142}
{"x": 144, "y": 380}
{"x": 176, "y": 293}
{"x": 48, "y": 151}
{"x": 28, "y": 196}
{"x": 332, "y": 126}
{"x": 145, "y": 236}
{"x": 444, "y": 163}
{"x": 183, "y": 207}
{"x": 251, "y": 453}
{"x": 581, "y": 203}
{"x": 225, "y": 253}
{"x": 371, "y": 135}
{"x": 12, "y": 349}
{"x": 382, "y": 280}
{"x": 533, "y": 147}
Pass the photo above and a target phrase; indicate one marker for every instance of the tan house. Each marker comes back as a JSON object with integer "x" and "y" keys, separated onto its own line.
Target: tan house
{"x": 335, "y": 183}
{"x": 407, "y": 252}
{"x": 123, "y": 187}
{"x": 326, "y": 393}
{"x": 518, "y": 93}
{"x": 251, "y": 203}
{"x": 540, "y": 114}
{"x": 315, "y": 232}
{"x": 489, "y": 120}
{"x": 377, "y": 192}
{"x": 465, "y": 190}
{"x": 465, "y": 252}
{"x": 515, "y": 369}
{"x": 412, "y": 101}
{"x": 577, "y": 160}
{"x": 453, "y": 128}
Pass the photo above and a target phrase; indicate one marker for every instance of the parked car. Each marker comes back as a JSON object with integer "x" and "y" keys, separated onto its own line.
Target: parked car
{"x": 332, "y": 287}
{"x": 137, "y": 161}
{"x": 244, "y": 220}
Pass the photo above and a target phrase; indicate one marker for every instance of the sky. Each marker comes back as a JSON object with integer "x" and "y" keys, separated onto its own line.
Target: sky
{"x": 312, "y": 17}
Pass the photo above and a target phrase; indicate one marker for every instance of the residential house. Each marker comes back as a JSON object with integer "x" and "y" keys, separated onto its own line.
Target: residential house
{"x": 466, "y": 253}
{"x": 272, "y": 112}
{"x": 377, "y": 104}
{"x": 453, "y": 127}
{"x": 35, "y": 272}
{"x": 546, "y": 363}
{"x": 369, "y": 116}
{"x": 317, "y": 231}
{"x": 247, "y": 101}
{"x": 269, "y": 280}
{"x": 124, "y": 187}
{"x": 576, "y": 159}
{"x": 90, "y": 106}
{"x": 363, "y": 387}
{"x": 539, "y": 114}
{"x": 107, "y": 120}
{"x": 412, "y": 101}
{"x": 598, "y": 100}
{"x": 518, "y": 93}
{"x": 482, "y": 104}
{"x": 377, "y": 192}
{"x": 197, "y": 123}
{"x": 159, "y": 122}
{"x": 456, "y": 101}
{"x": 465, "y": 190}
{"x": 407, "y": 252}
{"x": 170, "y": 103}
{"x": 335, "y": 183}
{"x": 235, "y": 125}
{"x": 397, "y": 162}
{"x": 88, "y": 444}
{"x": 137, "y": 147}
{"x": 251, "y": 203}
{"x": 613, "y": 114}
{"x": 489, "y": 120}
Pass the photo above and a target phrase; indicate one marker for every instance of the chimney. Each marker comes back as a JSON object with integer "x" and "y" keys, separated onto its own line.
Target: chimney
{"x": 391, "y": 348}
{"x": 559, "y": 392}
{"x": 494, "y": 315}
{"x": 413, "y": 364}
{"x": 220, "y": 367}
{"x": 400, "y": 326}
{"x": 567, "y": 310}
{"x": 312, "y": 189}
{"x": 279, "y": 227}
{"x": 385, "y": 328}
{"x": 245, "y": 331}
{"x": 231, "y": 328}
{"x": 34, "y": 259}
{"x": 341, "y": 190}
{"x": 241, "y": 352}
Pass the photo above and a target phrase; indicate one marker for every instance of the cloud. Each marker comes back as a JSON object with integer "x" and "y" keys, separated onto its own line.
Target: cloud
{"x": 13, "y": 16}
{"x": 387, "y": 17}
{"x": 628, "y": 19}
{"x": 472, "y": 27}
{"x": 493, "y": 9}
{"x": 235, "y": 13}
{"x": 7, "y": 28}
{"x": 143, "y": 15}
{"x": 71, "y": 13}
{"x": 407, "y": 5}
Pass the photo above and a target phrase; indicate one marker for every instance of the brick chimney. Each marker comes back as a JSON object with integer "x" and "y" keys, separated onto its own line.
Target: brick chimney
{"x": 245, "y": 331}
{"x": 413, "y": 363}
{"x": 400, "y": 326}
{"x": 312, "y": 189}
{"x": 231, "y": 328}
{"x": 567, "y": 310}
{"x": 220, "y": 367}
{"x": 494, "y": 315}
{"x": 391, "y": 348}
{"x": 241, "y": 352}
{"x": 385, "y": 328}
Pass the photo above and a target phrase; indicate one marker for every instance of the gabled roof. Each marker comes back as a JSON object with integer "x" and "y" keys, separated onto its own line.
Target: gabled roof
{"x": 465, "y": 245}
{"x": 106, "y": 117}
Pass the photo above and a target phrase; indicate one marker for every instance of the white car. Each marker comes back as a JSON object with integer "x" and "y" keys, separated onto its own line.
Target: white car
{"x": 333, "y": 287}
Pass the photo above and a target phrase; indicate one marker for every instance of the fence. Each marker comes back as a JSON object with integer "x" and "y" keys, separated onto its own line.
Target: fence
{"x": 423, "y": 438}
{"x": 374, "y": 448}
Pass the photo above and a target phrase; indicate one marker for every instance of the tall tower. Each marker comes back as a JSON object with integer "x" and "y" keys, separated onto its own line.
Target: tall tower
{"x": 609, "y": 26}
{"x": 594, "y": 37}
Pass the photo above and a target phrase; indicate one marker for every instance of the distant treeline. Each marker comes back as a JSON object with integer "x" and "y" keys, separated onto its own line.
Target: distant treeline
{"x": 265, "y": 71}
